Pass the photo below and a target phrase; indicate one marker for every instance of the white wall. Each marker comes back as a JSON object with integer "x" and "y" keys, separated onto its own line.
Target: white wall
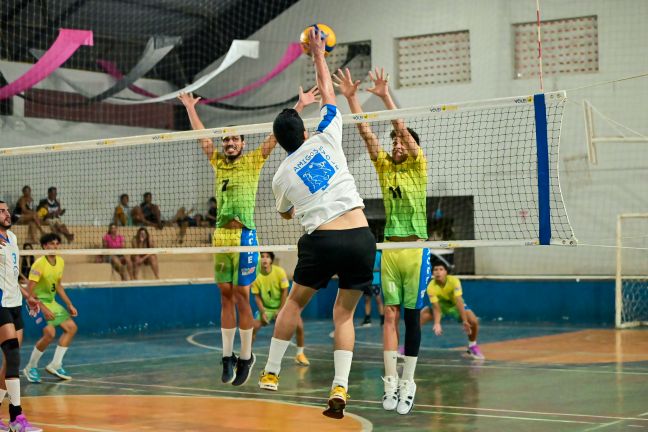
{"x": 593, "y": 194}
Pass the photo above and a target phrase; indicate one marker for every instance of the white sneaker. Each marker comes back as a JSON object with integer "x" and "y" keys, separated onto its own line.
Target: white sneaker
{"x": 406, "y": 393}
{"x": 390, "y": 397}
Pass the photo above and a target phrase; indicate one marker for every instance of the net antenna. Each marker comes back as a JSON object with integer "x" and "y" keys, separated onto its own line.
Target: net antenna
{"x": 631, "y": 288}
{"x": 625, "y": 133}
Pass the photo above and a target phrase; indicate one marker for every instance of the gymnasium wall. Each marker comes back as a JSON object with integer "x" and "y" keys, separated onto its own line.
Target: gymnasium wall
{"x": 114, "y": 310}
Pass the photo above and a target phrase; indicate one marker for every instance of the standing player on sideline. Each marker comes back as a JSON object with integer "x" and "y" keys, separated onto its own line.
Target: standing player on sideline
{"x": 445, "y": 295}
{"x": 44, "y": 283}
{"x": 236, "y": 187}
{"x": 11, "y": 323}
{"x": 270, "y": 291}
{"x": 404, "y": 272}
{"x": 314, "y": 183}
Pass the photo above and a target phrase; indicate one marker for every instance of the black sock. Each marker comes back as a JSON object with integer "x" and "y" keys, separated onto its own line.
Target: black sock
{"x": 14, "y": 411}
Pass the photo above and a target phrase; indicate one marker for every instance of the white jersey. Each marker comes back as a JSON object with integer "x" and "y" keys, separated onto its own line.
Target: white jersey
{"x": 315, "y": 179}
{"x": 9, "y": 271}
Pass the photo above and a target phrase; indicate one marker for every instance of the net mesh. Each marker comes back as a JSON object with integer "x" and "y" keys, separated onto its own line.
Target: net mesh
{"x": 632, "y": 274}
{"x": 482, "y": 178}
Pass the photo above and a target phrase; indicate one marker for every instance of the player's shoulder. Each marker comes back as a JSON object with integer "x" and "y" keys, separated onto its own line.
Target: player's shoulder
{"x": 454, "y": 280}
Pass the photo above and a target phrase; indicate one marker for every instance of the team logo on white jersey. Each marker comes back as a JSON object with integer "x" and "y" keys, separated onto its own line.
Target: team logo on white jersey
{"x": 316, "y": 173}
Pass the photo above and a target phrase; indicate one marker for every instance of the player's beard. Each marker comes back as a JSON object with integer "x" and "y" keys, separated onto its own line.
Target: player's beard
{"x": 232, "y": 158}
{"x": 7, "y": 224}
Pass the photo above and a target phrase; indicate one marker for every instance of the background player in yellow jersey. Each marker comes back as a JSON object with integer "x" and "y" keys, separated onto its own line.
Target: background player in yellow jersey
{"x": 44, "y": 283}
{"x": 270, "y": 291}
{"x": 445, "y": 295}
{"x": 405, "y": 272}
{"x": 237, "y": 179}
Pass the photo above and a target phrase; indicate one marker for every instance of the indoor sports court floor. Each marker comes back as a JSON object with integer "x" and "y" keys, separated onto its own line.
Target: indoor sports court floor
{"x": 535, "y": 379}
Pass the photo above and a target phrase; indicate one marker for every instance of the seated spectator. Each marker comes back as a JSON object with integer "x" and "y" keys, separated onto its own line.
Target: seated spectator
{"x": 26, "y": 261}
{"x": 122, "y": 215}
{"x": 24, "y": 214}
{"x": 147, "y": 213}
{"x": 184, "y": 220}
{"x": 142, "y": 240}
{"x": 113, "y": 240}
{"x": 50, "y": 211}
{"x": 211, "y": 213}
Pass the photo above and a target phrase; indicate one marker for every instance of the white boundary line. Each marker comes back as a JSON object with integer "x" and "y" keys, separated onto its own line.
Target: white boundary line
{"x": 376, "y": 402}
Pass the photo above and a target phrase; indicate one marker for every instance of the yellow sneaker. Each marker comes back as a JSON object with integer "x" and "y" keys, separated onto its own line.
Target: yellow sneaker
{"x": 337, "y": 402}
{"x": 301, "y": 359}
{"x": 268, "y": 381}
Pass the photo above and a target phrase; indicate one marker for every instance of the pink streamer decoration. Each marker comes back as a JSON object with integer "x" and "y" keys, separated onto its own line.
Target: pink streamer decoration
{"x": 66, "y": 43}
{"x": 291, "y": 54}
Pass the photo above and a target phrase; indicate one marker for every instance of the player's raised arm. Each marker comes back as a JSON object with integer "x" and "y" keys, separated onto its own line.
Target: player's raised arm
{"x": 381, "y": 89}
{"x": 324, "y": 83}
{"x": 349, "y": 88}
{"x": 189, "y": 101}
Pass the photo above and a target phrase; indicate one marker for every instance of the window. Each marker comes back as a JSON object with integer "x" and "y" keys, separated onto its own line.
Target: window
{"x": 435, "y": 59}
{"x": 569, "y": 46}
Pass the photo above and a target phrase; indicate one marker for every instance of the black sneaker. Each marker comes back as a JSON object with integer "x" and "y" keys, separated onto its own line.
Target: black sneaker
{"x": 366, "y": 322}
{"x": 243, "y": 369}
{"x": 228, "y": 369}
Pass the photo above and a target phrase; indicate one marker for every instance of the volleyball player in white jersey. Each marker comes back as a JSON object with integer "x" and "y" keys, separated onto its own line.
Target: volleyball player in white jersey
{"x": 314, "y": 184}
{"x": 11, "y": 324}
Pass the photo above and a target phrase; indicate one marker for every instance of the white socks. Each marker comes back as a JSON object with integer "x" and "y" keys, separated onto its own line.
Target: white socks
{"x": 228, "y": 341}
{"x": 472, "y": 344}
{"x": 409, "y": 368}
{"x": 391, "y": 357}
{"x": 300, "y": 350}
{"x": 13, "y": 389}
{"x": 35, "y": 357}
{"x": 278, "y": 348}
{"x": 342, "y": 361}
{"x": 246, "y": 344}
{"x": 57, "y": 361}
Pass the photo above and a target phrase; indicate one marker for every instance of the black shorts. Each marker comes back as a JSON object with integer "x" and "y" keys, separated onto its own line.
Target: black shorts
{"x": 372, "y": 290}
{"x": 12, "y": 315}
{"x": 348, "y": 253}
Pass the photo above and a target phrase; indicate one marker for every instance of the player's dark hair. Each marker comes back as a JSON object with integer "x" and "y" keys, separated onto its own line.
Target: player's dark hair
{"x": 49, "y": 237}
{"x": 288, "y": 129}
{"x": 51, "y": 189}
{"x": 436, "y": 263}
{"x": 272, "y": 255}
{"x": 212, "y": 200}
{"x": 25, "y": 187}
{"x": 2, "y": 202}
{"x": 121, "y": 197}
{"x": 147, "y": 194}
{"x": 392, "y": 135}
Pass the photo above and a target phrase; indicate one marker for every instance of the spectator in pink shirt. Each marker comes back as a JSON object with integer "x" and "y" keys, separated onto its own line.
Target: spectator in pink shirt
{"x": 113, "y": 240}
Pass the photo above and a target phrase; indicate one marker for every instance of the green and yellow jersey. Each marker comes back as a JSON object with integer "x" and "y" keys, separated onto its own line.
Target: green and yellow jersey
{"x": 46, "y": 276}
{"x": 236, "y": 187}
{"x": 404, "y": 189}
{"x": 445, "y": 294}
{"x": 270, "y": 287}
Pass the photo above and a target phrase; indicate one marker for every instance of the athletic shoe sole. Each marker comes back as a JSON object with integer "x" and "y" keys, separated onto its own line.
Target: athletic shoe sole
{"x": 335, "y": 409}
{"x": 56, "y": 374}
{"x": 28, "y": 378}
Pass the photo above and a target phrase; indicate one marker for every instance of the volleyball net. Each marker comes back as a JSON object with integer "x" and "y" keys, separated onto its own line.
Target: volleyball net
{"x": 492, "y": 179}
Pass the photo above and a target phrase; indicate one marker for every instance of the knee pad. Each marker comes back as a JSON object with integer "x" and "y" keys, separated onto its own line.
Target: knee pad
{"x": 412, "y": 332}
{"x": 11, "y": 350}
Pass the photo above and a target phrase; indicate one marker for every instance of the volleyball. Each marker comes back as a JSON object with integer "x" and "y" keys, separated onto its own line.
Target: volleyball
{"x": 327, "y": 34}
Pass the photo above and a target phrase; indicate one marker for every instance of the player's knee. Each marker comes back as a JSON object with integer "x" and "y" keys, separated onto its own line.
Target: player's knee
{"x": 49, "y": 333}
{"x": 11, "y": 351}
{"x": 71, "y": 327}
{"x": 412, "y": 332}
